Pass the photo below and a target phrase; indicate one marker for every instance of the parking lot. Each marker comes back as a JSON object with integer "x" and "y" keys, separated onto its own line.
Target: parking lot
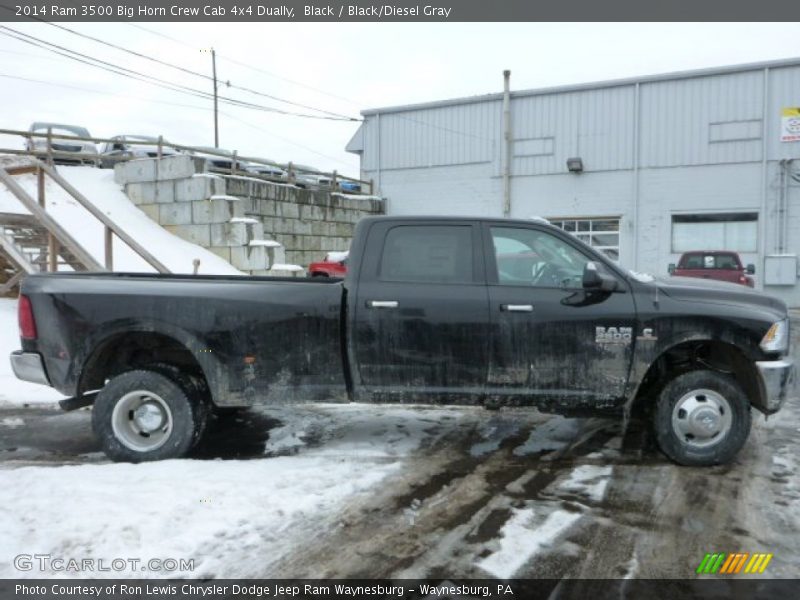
{"x": 389, "y": 491}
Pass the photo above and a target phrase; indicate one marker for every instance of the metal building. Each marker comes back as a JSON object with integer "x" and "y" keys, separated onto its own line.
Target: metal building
{"x": 643, "y": 168}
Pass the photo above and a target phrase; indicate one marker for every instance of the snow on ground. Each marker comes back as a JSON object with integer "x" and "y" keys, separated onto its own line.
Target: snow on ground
{"x": 12, "y": 390}
{"x": 523, "y": 536}
{"x": 99, "y": 187}
{"x": 233, "y": 517}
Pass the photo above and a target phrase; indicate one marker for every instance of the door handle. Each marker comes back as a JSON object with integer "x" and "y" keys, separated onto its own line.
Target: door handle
{"x": 517, "y": 307}
{"x": 382, "y": 303}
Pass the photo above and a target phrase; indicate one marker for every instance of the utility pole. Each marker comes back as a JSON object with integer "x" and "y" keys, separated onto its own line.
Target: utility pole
{"x": 214, "y": 75}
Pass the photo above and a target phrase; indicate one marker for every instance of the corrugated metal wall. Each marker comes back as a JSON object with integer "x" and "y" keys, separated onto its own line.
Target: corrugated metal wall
{"x": 713, "y": 119}
{"x": 700, "y": 138}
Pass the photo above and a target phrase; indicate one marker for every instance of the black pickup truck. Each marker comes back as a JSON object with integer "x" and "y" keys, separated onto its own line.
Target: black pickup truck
{"x": 446, "y": 310}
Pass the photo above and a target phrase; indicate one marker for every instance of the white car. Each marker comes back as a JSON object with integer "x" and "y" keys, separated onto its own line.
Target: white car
{"x": 309, "y": 177}
{"x": 68, "y": 151}
{"x": 266, "y": 170}
{"x": 121, "y": 147}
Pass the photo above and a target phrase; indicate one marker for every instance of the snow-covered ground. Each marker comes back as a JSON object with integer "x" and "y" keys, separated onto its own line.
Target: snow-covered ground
{"x": 99, "y": 187}
{"x": 233, "y": 517}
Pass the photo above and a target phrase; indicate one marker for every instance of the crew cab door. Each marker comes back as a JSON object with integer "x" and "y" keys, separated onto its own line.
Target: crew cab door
{"x": 551, "y": 338}
{"x": 421, "y": 311}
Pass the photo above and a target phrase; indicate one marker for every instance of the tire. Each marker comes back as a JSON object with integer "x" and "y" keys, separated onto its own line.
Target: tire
{"x": 146, "y": 415}
{"x": 702, "y": 418}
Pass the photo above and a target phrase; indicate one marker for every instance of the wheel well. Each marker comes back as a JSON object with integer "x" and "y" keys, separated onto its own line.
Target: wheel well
{"x": 714, "y": 355}
{"x": 135, "y": 350}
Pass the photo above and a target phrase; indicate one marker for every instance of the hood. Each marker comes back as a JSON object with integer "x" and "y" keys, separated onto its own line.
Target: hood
{"x": 693, "y": 289}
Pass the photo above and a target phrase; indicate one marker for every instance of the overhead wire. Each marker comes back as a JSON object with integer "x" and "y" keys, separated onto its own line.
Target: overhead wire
{"x": 133, "y": 74}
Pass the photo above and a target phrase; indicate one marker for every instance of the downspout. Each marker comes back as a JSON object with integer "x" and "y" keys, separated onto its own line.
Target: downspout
{"x": 764, "y": 149}
{"x": 507, "y": 143}
{"x": 378, "y": 177}
{"x": 636, "y": 177}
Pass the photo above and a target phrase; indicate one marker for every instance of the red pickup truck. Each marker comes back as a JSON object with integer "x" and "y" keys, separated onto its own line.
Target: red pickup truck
{"x": 714, "y": 264}
{"x": 334, "y": 265}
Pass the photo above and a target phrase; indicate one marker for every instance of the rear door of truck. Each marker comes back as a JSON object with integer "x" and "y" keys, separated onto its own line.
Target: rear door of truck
{"x": 421, "y": 311}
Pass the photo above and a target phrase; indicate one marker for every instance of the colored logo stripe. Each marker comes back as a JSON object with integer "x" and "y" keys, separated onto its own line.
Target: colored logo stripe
{"x": 732, "y": 564}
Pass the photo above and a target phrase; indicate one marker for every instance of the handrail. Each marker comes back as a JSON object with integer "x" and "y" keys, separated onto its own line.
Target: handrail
{"x": 103, "y": 218}
{"x": 161, "y": 142}
{"x": 49, "y": 223}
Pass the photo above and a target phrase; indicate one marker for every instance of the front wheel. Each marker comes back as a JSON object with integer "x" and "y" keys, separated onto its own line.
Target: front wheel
{"x": 144, "y": 415}
{"x": 702, "y": 418}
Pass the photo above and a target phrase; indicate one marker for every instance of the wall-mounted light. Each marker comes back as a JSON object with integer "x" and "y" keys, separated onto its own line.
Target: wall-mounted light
{"x": 575, "y": 165}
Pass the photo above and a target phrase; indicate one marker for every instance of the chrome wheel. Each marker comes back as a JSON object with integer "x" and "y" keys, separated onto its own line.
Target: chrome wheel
{"x": 141, "y": 421}
{"x": 701, "y": 418}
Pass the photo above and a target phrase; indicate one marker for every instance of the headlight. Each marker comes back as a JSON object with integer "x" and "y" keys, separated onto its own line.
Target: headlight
{"x": 777, "y": 337}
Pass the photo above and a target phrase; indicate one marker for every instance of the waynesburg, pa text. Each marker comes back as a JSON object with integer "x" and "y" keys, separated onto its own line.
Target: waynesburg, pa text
{"x": 305, "y": 590}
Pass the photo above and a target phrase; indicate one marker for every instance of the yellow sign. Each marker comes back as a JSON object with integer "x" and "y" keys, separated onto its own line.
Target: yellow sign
{"x": 790, "y": 124}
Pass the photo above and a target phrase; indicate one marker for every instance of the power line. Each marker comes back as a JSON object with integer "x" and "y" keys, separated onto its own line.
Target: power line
{"x": 102, "y": 92}
{"x": 298, "y": 83}
{"x": 283, "y": 139}
{"x": 118, "y": 70}
{"x": 195, "y": 73}
{"x": 251, "y": 67}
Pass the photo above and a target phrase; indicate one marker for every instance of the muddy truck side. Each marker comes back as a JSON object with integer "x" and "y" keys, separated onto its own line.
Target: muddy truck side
{"x": 432, "y": 310}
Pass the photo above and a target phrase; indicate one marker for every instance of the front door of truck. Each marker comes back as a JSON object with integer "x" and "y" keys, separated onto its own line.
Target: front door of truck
{"x": 550, "y": 338}
{"x": 421, "y": 312}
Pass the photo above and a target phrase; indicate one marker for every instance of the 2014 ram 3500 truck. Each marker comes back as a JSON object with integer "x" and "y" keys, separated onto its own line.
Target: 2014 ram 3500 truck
{"x": 455, "y": 310}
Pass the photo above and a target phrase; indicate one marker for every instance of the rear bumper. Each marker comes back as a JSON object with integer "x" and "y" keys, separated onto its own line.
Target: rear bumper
{"x": 777, "y": 382}
{"x": 28, "y": 366}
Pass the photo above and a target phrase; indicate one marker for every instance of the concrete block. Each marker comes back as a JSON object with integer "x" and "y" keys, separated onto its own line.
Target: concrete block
{"x": 222, "y": 251}
{"x": 288, "y": 210}
{"x": 215, "y": 211}
{"x": 342, "y": 230}
{"x": 175, "y": 213}
{"x": 135, "y": 171}
{"x": 319, "y": 228}
{"x": 255, "y": 231}
{"x": 196, "y": 234}
{"x": 199, "y": 187}
{"x": 228, "y": 234}
{"x": 276, "y": 255}
{"x": 277, "y": 273}
{"x": 249, "y": 258}
{"x": 178, "y": 166}
{"x": 311, "y": 242}
{"x": 150, "y": 192}
{"x": 268, "y": 207}
{"x": 151, "y": 210}
{"x": 301, "y": 227}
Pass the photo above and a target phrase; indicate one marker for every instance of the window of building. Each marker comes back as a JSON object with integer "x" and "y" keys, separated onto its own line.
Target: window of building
{"x": 737, "y": 232}
{"x": 599, "y": 233}
{"x": 428, "y": 253}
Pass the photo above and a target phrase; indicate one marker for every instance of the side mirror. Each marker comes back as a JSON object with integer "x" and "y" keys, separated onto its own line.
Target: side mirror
{"x": 671, "y": 268}
{"x": 751, "y": 269}
{"x": 594, "y": 279}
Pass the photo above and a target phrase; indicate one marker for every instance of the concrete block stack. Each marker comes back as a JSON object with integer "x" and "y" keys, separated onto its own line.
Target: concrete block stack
{"x": 258, "y": 226}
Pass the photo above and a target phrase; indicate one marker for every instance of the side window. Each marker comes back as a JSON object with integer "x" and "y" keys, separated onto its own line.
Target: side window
{"x": 427, "y": 253}
{"x": 536, "y": 258}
